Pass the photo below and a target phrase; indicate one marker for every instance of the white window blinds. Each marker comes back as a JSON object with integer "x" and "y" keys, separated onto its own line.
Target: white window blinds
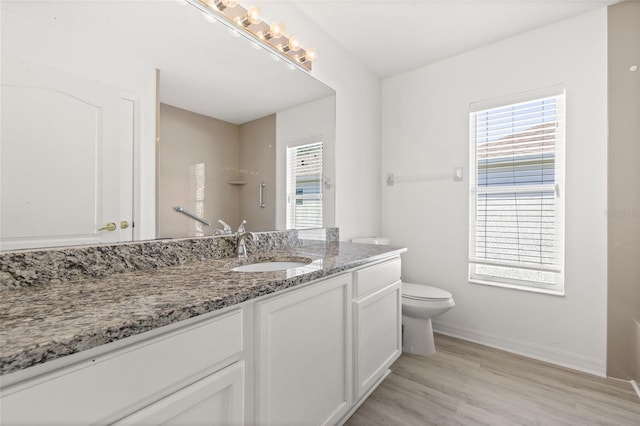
{"x": 304, "y": 186}
{"x": 516, "y": 215}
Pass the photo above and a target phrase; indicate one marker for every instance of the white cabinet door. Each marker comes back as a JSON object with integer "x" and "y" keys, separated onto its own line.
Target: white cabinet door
{"x": 66, "y": 157}
{"x": 303, "y": 357}
{"x": 378, "y": 339}
{"x": 217, "y": 399}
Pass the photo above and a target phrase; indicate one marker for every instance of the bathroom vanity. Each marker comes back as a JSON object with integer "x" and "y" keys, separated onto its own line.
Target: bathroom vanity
{"x": 199, "y": 343}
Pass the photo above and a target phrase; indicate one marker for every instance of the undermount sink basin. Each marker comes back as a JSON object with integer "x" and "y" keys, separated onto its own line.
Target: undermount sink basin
{"x": 271, "y": 264}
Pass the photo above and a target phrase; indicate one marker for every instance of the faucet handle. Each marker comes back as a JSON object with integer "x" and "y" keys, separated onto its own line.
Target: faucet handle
{"x": 226, "y": 228}
{"x": 241, "y": 228}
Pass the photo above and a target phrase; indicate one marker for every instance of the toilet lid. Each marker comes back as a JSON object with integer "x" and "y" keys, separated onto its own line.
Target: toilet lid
{"x": 424, "y": 292}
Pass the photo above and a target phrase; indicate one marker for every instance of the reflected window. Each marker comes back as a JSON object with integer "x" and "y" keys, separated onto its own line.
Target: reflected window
{"x": 196, "y": 197}
{"x": 304, "y": 186}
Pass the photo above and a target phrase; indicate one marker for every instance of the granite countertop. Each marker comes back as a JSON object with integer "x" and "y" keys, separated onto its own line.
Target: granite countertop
{"x": 40, "y": 324}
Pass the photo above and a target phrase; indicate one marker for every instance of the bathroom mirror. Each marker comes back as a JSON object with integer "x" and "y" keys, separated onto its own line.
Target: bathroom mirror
{"x": 207, "y": 78}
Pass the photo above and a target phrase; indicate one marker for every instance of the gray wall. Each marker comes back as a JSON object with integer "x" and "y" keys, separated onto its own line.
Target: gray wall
{"x": 258, "y": 159}
{"x": 623, "y": 313}
{"x": 187, "y": 139}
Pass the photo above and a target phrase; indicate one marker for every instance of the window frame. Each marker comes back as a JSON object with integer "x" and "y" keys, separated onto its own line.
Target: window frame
{"x": 555, "y": 271}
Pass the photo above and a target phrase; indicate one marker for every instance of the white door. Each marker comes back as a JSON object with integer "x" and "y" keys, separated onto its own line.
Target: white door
{"x": 66, "y": 153}
{"x": 378, "y": 336}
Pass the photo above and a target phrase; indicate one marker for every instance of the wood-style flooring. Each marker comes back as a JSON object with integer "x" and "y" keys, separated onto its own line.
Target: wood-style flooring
{"x": 464, "y": 383}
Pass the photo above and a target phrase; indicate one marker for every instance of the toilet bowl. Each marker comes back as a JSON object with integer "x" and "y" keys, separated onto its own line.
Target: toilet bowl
{"x": 420, "y": 303}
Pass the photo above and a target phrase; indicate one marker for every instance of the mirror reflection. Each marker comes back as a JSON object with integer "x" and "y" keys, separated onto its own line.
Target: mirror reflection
{"x": 115, "y": 113}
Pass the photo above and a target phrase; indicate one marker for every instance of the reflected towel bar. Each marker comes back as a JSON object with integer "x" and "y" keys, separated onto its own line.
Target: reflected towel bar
{"x": 191, "y": 215}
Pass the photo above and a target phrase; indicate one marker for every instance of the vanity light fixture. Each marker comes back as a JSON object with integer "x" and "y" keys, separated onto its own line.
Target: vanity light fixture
{"x": 248, "y": 22}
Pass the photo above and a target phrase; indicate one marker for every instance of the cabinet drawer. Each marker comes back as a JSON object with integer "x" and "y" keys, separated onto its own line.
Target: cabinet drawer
{"x": 117, "y": 383}
{"x": 218, "y": 399}
{"x": 376, "y": 276}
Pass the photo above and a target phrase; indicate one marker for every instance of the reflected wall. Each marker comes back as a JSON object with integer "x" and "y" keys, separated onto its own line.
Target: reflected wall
{"x": 195, "y": 154}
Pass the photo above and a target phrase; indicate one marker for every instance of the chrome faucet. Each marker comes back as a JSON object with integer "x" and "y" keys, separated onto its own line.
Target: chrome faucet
{"x": 226, "y": 229}
{"x": 241, "y": 240}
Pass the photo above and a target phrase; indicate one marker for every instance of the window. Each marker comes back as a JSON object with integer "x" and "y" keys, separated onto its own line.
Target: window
{"x": 516, "y": 176}
{"x": 304, "y": 186}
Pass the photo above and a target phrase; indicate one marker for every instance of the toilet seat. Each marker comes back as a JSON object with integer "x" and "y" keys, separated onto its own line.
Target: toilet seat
{"x": 423, "y": 292}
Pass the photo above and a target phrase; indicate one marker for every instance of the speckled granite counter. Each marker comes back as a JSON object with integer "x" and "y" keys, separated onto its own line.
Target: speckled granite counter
{"x": 46, "y": 322}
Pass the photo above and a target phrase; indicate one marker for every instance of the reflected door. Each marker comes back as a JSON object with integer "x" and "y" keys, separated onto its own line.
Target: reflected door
{"x": 66, "y": 160}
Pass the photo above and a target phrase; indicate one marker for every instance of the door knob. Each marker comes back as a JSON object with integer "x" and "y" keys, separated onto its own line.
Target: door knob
{"x": 111, "y": 226}
{"x": 124, "y": 224}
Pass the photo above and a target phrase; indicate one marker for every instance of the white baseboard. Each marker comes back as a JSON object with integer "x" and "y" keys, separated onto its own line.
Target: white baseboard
{"x": 532, "y": 350}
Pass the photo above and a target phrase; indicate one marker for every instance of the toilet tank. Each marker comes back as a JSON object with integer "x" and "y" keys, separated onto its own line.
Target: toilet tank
{"x": 372, "y": 240}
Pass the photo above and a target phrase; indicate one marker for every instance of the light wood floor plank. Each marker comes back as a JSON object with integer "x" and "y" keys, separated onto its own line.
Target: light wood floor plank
{"x": 464, "y": 383}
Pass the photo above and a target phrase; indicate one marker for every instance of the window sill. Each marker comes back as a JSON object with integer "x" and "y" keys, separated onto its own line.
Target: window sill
{"x": 551, "y": 292}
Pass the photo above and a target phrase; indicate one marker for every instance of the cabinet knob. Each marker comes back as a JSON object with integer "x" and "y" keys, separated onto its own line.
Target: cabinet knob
{"x": 124, "y": 224}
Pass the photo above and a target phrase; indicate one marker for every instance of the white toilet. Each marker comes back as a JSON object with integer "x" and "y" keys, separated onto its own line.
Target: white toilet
{"x": 420, "y": 303}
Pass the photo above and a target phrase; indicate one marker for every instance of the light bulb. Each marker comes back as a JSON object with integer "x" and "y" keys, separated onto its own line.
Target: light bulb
{"x": 223, "y": 4}
{"x": 293, "y": 44}
{"x": 276, "y": 30}
{"x": 310, "y": 55}
{"x": 253, "y": 16}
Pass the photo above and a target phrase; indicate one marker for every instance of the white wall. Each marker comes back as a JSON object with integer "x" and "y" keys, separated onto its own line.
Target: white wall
{"x": 357, "y": 150}
{"x": 425, "y": 129}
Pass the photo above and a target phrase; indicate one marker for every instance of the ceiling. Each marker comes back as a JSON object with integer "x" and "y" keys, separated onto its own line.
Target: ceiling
{"x": 205, "y": 69}
{"x": 393, "y": 36}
